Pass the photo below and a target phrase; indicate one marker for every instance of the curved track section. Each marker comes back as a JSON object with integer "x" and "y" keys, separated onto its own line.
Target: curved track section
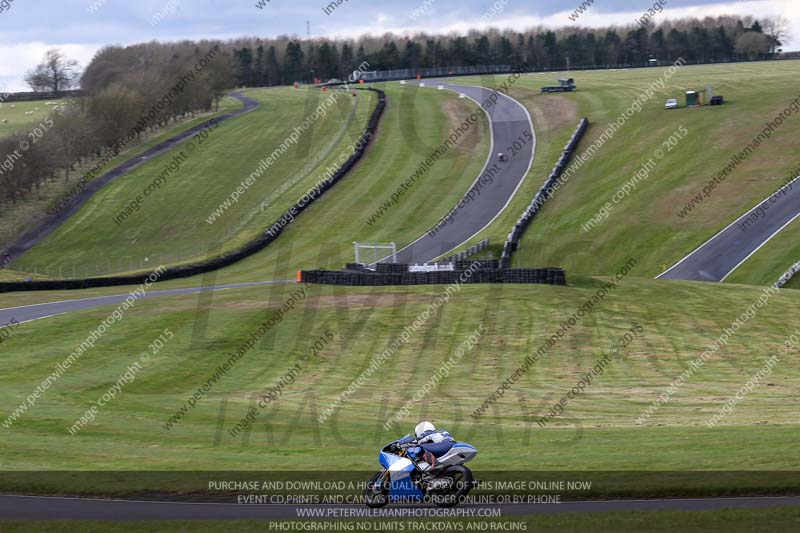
{"x": 509, "y": 122}
{"x": 37, "y": 234}
{"x": 29, "y": 313}
{"x": 717, "y": 258}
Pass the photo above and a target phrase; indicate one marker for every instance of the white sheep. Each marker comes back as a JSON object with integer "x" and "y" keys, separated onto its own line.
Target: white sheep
{"x": 28, "y": 113}
{"x": 5, "y": 121}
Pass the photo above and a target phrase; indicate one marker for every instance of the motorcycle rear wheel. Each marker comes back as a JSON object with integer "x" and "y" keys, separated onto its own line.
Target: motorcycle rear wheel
{"x": 462, "y": 481}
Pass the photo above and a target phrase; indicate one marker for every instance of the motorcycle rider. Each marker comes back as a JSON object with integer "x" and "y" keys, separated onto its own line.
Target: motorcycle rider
{"x": 431, "y": 443}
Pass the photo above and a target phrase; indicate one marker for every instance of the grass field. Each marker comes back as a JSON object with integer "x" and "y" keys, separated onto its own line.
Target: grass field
{"x": 409, "y": 132}
{"x": 20, "y": 217}
{"x": 16, "y": 119}
{"x": 646, "y": 223}
{"x": 731, "y": 520}
{"x": 167, "y": 229}
{"x": 598, "y": 431}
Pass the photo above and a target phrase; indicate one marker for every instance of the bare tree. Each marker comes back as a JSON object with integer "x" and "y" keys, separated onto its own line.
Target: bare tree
{"x": 777, "y": 30}
{"x": 56, "y": 73}
{"x": 752, "y": 44}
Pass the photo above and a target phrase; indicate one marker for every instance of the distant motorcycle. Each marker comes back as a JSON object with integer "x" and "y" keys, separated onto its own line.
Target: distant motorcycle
{"x": 502, "y": 156}
{"x": 407, "y": 477}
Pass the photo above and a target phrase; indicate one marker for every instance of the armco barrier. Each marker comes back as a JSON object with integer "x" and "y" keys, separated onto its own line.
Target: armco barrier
{"x": 229, "y": 258}
{"x": 469, "y": 252}
{"x": 548, "y": 276}
{"x": 787, "y": 277}
{"x": 544, "y": 194}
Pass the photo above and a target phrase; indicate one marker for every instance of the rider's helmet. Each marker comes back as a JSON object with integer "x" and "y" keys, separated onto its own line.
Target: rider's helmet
{"x": 422, "y": 427}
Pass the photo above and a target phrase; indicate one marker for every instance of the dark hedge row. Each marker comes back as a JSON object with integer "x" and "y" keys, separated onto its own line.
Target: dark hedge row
{"x": 229, "y": 258}
{"x": 548, "y": 276}
{"x": 33, "y": 96}
{"x": 544, "y": 194}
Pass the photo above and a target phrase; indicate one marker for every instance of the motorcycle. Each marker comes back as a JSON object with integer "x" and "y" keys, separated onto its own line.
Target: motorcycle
{"x": 408, "y": 478}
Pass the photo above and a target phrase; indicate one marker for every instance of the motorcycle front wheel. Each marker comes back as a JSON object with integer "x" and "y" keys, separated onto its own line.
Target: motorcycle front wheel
{"x": 377, "y": 493}
{"x": 461, "y": 485}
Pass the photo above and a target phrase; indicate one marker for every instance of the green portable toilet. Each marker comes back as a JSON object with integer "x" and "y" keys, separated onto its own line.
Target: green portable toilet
{"x": 692, "y": 98}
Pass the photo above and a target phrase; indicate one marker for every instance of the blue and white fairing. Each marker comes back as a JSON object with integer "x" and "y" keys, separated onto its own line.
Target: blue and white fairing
{"x": 401, "y": 485}
{"x": 460, "y": 453}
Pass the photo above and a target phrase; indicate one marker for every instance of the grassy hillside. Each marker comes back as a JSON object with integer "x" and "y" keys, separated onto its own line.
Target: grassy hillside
{"x": 170, "y": 226}
{"x": 414, "y": 124}
{"x": 16, "y": 119}
{"x": 646, "y": 224}
{"x": 597, "y": 432}
{"x": 21, "y": 216}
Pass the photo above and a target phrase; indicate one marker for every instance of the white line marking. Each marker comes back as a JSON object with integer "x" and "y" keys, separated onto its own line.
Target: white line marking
{"x": 40, "y": 318}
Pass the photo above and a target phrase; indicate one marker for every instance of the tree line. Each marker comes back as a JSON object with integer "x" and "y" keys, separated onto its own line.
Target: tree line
{"x": 286, "y": 60}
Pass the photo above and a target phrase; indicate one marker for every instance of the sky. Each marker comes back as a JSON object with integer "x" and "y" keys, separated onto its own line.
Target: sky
{"x": 81, "y": 27}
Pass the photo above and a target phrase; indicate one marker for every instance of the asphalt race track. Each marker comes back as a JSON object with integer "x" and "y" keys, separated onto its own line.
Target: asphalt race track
{"x": 60, "y": 508}
{"x": 28, "y": 313}
{"x": 718, "y": 257}
{"x": 509, "y": 122}
{"x": 37, "y": 234}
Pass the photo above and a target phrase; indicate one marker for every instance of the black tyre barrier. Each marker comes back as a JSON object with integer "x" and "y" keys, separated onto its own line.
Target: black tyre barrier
{"x": 256, "y": 245}
{"x": 391, "y": 268}
{"x": 542, "y": 276}
{"x": 355, "y": 267}
{"x": 542, "y": 195}
{"x": 482, "y": 264}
